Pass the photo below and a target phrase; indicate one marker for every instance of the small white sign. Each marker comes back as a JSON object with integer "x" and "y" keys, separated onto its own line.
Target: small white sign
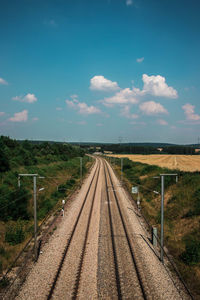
{"x": 134, "y": 189}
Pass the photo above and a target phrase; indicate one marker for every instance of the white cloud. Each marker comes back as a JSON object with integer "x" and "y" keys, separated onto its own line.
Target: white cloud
{"x": 152, "y": 108}
{"x": 129, "y": 2}
{"x": 139, "y": 60}
{"x": 58, "y": 108}
{"x": 156, "y": 86}
{"x": 3, "y": 81}
{"x": 20, "y": 116}
{"x": 99, "y": 124}
{"x": 162, "y": 122}
{"x": 100, "y": 83}
{"x": 122, "y": 97}
{"x": 82, "y": 107}
{"x": 189, "y": 112}
{"x": 29, "y": 98}
{"x": 127, "y": 114}
{"x": 2, "y": 113}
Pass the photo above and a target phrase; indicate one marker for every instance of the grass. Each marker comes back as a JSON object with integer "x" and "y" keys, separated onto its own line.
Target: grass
{"x": 60, "y": 175}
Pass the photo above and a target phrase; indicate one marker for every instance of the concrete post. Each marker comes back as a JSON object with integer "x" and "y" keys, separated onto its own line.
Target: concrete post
{"x": 154, "y": 236}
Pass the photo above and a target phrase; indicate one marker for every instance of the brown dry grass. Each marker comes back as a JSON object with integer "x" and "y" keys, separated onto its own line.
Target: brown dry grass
{"x": 188, "y": 163}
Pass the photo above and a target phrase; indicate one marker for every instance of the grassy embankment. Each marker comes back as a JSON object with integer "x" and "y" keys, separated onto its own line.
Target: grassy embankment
{"x": 61, "y": 179}
{"x": 58, "y": 163}
{"x": 182, "y": 213}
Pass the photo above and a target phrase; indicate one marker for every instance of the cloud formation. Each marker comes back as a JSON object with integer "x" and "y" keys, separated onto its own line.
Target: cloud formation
{"x": 3, "y": 81}
{"x": 122, "y": 97}
{"x": 82, "y": 107}
{"x": 189, "y": 112}
{"x": 127, "y": 114}
{"x": 29, "y": 98}
{"x": 20, "y": 116}
{"x": 139, "y": 60}
{"x": 100, "y": 83}
{"x": 152, "y": 108}
{"x": 2, "y": 113}
{"x": 156, "y": 86}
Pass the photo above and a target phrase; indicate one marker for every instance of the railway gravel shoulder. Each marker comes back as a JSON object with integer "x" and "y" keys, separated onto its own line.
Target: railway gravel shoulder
{"x": 159, "y": 282}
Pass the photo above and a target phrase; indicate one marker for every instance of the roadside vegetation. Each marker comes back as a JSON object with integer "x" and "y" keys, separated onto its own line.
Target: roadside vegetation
{"x": 182, "y": 212}
{"x": 57, "y": 163}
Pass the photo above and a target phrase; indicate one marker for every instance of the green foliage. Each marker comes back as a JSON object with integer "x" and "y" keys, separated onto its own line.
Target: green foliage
{"x": 14, "y": 233}
{"x": 14, "y": 153}
{"x": 1, "y": 267}
{"x": 4, "y": 159}
{"x": 2, "y": 251}
{"x": 4, "y": 282}
{"x": 13, "y": 205}
{"x": 46, "y": 206}
{"x": 191, "y": 255}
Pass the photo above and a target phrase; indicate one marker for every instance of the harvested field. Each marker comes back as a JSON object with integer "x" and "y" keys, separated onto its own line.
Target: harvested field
{"x": 188, "y": 163}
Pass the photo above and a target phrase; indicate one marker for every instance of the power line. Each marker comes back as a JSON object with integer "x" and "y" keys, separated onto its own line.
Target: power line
{"x": 8, "y": 193}
{"x": 11, "y": 202}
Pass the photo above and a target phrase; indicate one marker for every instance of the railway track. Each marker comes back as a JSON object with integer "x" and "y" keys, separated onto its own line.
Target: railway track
{"x": 100, "y": 250}
{"x": 128, "y": 279}
{"x": 81, "y": 228}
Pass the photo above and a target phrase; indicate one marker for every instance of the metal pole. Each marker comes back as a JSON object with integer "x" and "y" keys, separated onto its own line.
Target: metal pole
{"x": 35, "y": 215}
{"x": 121, "y": 169}
{"x": 162, "y": 217}
{"x": 81, "y": 167}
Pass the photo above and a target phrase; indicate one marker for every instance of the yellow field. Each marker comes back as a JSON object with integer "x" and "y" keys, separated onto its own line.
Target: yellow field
{"x": 188, "y": 163}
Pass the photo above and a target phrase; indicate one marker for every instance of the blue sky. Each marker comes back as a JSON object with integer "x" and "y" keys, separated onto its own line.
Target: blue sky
{"x": 100, "y": 70}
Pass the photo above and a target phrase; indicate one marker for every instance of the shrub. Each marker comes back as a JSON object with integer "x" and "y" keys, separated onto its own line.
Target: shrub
{"x": 13, "y": 205}
{"x": 2, "y": 251}
{"x": 14, "y": 233}
{"x": 191, "y": 255}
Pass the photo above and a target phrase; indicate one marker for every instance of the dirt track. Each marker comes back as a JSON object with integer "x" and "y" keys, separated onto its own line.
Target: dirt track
{"x": 188, "y": 163}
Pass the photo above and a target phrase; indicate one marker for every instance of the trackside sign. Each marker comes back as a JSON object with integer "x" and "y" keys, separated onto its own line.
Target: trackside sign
{"x": 134, "y": 189}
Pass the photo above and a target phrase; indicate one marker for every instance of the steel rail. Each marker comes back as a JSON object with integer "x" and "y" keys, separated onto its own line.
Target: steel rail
{"x": 117, "y": 277}
{"x": 83, "y": 251}
{"x": 71, "y": 236}
{"x": 127, "y": 236}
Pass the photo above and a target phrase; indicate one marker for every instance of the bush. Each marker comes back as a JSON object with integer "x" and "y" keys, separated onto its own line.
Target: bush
{"x": 13, "y": 205}
{"x": 14, "y": 233}
{"x": 191, "y": 255}
{"x": 2, "y": 251}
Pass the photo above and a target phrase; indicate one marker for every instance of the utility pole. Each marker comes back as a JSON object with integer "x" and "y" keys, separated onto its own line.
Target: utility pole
{"x": 35, "y": 206}
{"x": 81, "y": 170}
{"x": 121, "y": 169}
